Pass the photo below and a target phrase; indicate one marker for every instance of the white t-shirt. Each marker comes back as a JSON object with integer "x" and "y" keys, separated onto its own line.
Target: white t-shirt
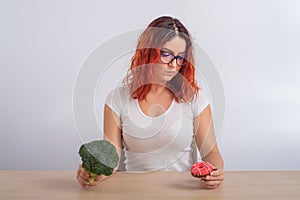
{"x": 165, "y": 142}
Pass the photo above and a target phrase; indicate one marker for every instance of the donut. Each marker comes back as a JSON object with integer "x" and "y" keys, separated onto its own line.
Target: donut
{"x": 201, "y": 169}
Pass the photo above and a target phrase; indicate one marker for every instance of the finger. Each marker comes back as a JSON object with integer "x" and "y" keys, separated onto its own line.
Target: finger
{"x": 82, "y": 179}
{"x": 84, "y": 173}
{"x": 217, "y": 172}
{"x": 211, "y": 187}
{"x": 210, "y": 181}
{"x": 83, "y": 170}
{"x": 219, "y": 178}
{"x": 82, "y": 182}
{"x": 85, "y": 185}
{"x": 83, "y": 176}
{"x": 214, "y": 178}
{"x": 211, "y": 184}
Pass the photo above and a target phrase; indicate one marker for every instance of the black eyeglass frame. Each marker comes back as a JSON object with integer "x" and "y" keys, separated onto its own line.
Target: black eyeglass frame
{"x": 174, "y": 57}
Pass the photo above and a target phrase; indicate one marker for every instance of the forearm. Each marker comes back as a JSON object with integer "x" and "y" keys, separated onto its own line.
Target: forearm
{"x": 215, "y": 159}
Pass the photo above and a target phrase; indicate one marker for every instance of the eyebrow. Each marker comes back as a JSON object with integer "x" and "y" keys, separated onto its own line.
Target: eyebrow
{"x": 172, "y": 51}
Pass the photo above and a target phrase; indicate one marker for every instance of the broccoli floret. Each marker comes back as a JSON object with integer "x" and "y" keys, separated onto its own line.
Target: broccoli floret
{"x": 98, "y": 157}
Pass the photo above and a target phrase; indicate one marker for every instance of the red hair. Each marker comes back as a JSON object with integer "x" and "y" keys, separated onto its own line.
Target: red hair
{"x": 183, "y": 86}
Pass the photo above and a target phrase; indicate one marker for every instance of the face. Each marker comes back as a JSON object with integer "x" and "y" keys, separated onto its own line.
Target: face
{"x": 165, "y": 72}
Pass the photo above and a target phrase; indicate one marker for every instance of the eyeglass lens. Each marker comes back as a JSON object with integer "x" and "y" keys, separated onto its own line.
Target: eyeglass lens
{"x": 168, "y": 57}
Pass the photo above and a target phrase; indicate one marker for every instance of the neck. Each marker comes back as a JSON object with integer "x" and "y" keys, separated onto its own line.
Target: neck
{"x": 158, "y": 89}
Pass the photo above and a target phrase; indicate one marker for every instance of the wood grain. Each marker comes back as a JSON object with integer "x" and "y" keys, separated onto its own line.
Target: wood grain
{"x": 154, "y": 185}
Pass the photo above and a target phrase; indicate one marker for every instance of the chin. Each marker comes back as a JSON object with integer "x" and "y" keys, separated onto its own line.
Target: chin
{"x": 165, "y": 79}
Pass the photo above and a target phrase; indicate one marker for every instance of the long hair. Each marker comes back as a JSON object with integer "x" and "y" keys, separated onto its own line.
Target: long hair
{"x": 161, "y": 30}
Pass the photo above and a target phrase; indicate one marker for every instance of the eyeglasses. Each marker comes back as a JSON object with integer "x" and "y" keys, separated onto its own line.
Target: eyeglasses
{"x": 168, "y": 57}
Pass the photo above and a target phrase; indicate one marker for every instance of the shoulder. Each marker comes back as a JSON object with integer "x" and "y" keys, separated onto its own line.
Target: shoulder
{"x": 117, "y": 98}
{"x": 121, "y": 92}
{"x": 199, "y": 103}
{"x": 200, "y": 97}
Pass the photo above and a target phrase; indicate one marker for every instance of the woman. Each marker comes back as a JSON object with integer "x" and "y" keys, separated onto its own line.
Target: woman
{"x": 160, "y": 116}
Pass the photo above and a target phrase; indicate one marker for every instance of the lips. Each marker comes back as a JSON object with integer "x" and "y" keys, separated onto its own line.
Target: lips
{"x": 171, "y": 73}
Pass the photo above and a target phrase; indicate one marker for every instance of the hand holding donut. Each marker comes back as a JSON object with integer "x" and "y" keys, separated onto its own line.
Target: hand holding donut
{"x": 211, "y": 177}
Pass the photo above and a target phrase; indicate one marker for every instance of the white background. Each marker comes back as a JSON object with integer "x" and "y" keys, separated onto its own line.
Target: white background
{"x": 254, "y": 45}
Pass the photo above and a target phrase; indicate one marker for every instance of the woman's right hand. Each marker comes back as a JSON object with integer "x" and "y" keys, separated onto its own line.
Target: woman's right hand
{"x": 83, "y": 177}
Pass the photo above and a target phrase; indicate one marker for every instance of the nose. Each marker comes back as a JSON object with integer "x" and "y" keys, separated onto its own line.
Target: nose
{"x": 173, "y": 64}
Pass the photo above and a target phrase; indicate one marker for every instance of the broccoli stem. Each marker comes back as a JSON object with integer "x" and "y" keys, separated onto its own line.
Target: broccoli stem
{"x": 93, "y": 176}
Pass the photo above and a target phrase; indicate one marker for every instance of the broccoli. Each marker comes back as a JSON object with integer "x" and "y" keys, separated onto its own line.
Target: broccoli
{"x": 98, "y": 157}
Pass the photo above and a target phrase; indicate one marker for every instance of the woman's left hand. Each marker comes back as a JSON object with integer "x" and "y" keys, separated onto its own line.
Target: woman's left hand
{"x": 214, "y": 179}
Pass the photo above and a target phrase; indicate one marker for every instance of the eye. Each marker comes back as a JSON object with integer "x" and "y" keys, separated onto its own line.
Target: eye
{"x": 181, "y": 60}
{"x": 165, "y": 54}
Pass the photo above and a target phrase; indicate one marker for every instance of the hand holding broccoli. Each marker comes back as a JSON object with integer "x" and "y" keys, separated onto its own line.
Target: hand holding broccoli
{"x": 98, "y": 157}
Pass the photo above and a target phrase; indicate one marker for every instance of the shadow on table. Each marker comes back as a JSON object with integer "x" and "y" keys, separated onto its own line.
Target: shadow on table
{"x": 189, "y": 185}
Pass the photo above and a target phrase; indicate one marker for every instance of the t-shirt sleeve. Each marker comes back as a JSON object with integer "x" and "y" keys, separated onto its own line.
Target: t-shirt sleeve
{"x": 115, "y": 100}
{"x": 199, "y": 103}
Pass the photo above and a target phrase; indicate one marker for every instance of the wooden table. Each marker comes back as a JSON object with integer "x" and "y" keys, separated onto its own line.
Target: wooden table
{"x": 155, "y": 185}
